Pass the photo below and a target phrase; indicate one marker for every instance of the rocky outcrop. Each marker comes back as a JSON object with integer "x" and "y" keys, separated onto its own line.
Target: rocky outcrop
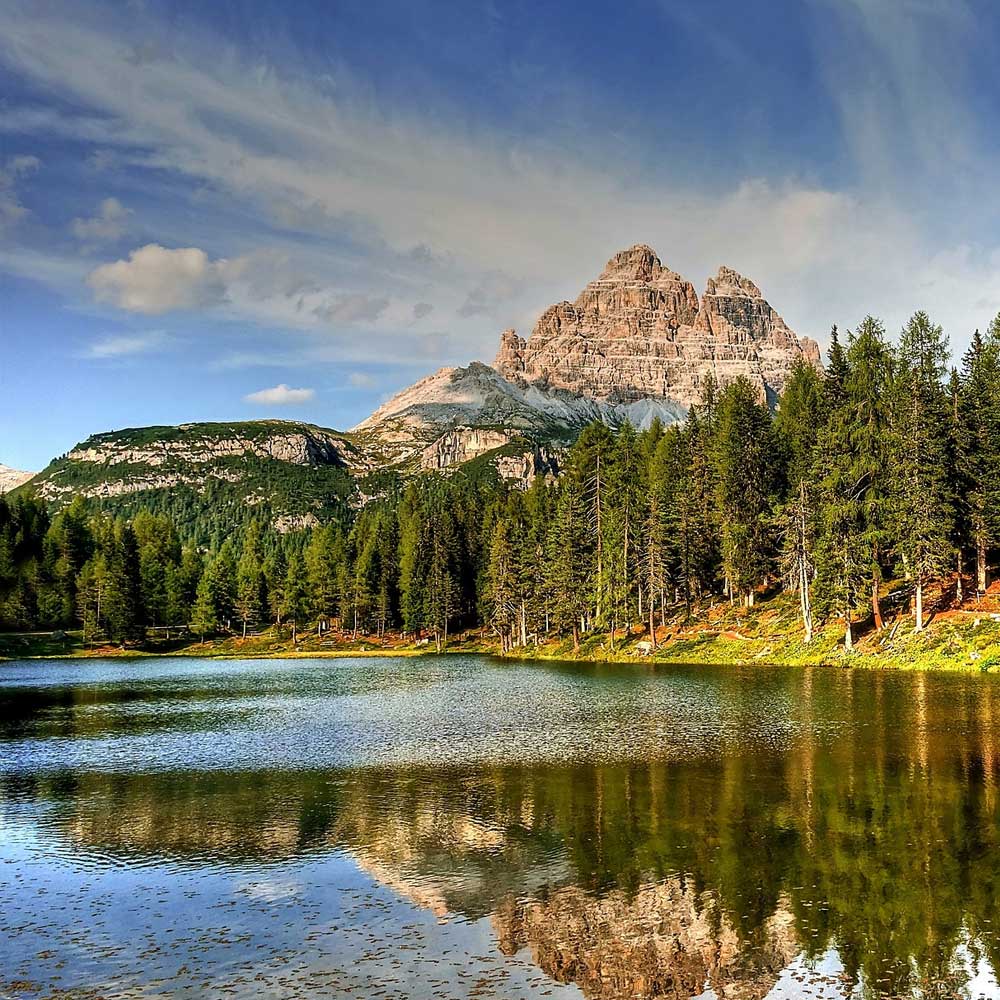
{"x": 639, "y": 332}
{"x": 202, "y": 443}
{"x": 460, "y": 445}
{"x": 10, "y": 478}
{"x": 521, "y": 469}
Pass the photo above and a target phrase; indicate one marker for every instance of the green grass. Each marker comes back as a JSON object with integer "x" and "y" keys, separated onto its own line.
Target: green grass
{"x": 771, "y": 633}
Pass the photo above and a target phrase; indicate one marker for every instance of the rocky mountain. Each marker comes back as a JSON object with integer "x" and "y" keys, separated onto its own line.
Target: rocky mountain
{"x": 12, "y": 478}
{"x": 293, "y": 473}
{"x": 637, "y": 343}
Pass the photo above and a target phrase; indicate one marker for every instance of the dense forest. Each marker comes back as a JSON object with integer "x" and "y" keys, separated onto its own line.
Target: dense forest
{"x": 884, "y": 466}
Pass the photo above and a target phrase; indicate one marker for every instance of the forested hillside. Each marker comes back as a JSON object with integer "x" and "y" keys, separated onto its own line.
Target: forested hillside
{"x": 886, "y": 466}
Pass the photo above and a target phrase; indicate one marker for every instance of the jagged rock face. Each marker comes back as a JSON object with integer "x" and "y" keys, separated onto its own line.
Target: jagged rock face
{"x": 10, "y": 478}
{"x": 460, "y": 445}
{"x": 639, "y": 332}
{"x": 463, "y": 444}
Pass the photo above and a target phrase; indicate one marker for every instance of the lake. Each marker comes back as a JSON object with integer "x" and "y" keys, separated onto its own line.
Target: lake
{"x": 457, "y": 826}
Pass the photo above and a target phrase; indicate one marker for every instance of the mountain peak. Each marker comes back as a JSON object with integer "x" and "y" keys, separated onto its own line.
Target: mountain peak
{"x": 640, "y": 331}
{"x": 732, "y": 283}
{"x": 638, "y": 262}
{"x": 10, "y": 478}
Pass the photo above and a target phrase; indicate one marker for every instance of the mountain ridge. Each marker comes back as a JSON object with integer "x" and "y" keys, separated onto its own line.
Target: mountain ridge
{"x": 10, "y": 478}
{"x": 637, "y": 344}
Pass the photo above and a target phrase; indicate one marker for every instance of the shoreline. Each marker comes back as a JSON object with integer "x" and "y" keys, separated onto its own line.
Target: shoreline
{"x": 965, "y": 639}
{"x": 714, "y": 651}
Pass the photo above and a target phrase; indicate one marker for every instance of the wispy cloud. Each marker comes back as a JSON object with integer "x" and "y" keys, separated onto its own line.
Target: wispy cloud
{"x": 11, "y": 209}
{"x": 108, "y": 224}
{"x": 127, "y": 345}
{"x": 280, "y": 395}
{"x": 492, "y": 228}
{"x": 361, "y": 380}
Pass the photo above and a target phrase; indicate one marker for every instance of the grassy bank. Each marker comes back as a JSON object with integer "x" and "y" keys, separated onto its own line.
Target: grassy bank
{"x": 955, "y": 638}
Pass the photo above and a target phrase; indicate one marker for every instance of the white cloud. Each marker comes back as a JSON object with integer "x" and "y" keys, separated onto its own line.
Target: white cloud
{"x": 107, "y": 225}
{"x": 125, "y": 345}
{"x": 280, "y": 395}
{"x": 361, "y": 380}
{"x": 157, "y": 280}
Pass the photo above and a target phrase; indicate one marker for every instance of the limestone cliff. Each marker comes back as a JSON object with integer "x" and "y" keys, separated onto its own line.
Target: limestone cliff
{"x": 639, "y": 331}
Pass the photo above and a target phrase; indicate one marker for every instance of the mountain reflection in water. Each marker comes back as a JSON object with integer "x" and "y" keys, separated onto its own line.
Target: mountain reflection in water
{"x": 846, "y": 844}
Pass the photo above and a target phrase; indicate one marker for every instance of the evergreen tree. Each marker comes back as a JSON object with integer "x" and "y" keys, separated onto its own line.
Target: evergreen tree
{"x": 569, "y": 542}
{"x": 868, "y": 400}
{"x": 797, "y": 424}
{"x": 251, "y": 583}
{"x": 203, "y": 620}
{"x": 922, "y": 501}
{"x": 295, "y": 608}
{"x": 124, "y": 612}
{"x": 979, "y": 444}
{"x": 744, "y": 464}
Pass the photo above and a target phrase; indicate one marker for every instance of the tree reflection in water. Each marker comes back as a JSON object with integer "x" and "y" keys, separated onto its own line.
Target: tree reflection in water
{"x": 649, "y": 878}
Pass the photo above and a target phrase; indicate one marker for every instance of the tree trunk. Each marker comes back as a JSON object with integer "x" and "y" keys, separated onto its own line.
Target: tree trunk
{"x": 805, "y": 601}
{"x": 876, "y": 607}
{"x": 652, "y": 625}
{"x": 959, "y": 586}
{"x": 576, "y": 638}
{"x": 981, "y": 561}
{"x": 849, "y": 635}
{"x": 600, "y": 541}
{"x": 918, "y": 610}
{"x": 244, "y": 628}
{"x": 524, "y": 625}
{"x": 750, "y": 598}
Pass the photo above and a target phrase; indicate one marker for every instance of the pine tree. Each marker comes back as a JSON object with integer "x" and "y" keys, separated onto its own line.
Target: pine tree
{"x": 441, "y": 594}
{"x": 868, "y": 392}
{"x": 124, "y": 612}
{"x": 922, "y": 509}
{"x": 841, "y": 555}
{"x": 295, "y": 608}
{"x": 203, "y": 620}
{"x": 743, "y": 460}
{"x": 501, "y": 585}
{"x": 324, "y": 558}
{"x": 979, "y": 447}
{"x": 799, "y": 417}
{"x": 275, "y": 573}
{"x": 251, "y": 584}
{"x": 589, "y": 466}
{"x": 568, "y": 544}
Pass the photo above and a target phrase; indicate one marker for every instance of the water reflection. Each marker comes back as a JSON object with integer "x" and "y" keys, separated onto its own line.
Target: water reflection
{"x": 848, "y": 844}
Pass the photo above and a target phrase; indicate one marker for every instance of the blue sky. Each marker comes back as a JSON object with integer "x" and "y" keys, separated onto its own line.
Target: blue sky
{"x": 238, "y": 210}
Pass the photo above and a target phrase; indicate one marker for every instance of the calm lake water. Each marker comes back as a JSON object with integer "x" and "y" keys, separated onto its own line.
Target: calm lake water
{"x": 459, "y": 827}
